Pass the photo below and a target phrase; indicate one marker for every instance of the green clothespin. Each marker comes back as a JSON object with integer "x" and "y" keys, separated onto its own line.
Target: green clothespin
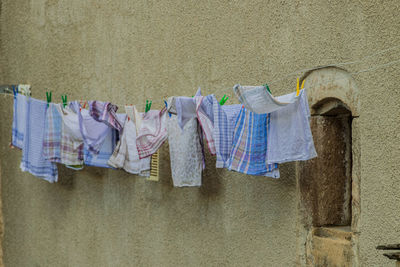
{"x": 267, "y": 87}
{"x": 64, "y": 100}
{"x": 223, "y": 100}
{"x": 48, "y": 97}
{"x": 148, "y": 105}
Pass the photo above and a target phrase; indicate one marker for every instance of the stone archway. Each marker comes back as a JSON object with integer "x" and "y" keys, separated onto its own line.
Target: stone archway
{"x": 328, "y": 186}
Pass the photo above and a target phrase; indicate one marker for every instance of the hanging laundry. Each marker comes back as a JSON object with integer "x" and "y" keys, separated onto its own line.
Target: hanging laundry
{"x": 93, "y": 132}
{"x": 290, "y": 136}
{"x": 224, "y": 124}
{"x": 125, "y": 154}
{"x": 249, "y": 146}
{"x": 152, "y": 132}
{"x": 257, "y": 99}
{"x": 52, "y": 134}
{"x": 185, "y": 153}
{"x": 72, "y": 140}
{"x": 19, "y": 120}
{"x": 205, "y": 116}
{"x": 24, "y": 89}
{"x": 32, "y": 155}
{"x": 105, "y": 112}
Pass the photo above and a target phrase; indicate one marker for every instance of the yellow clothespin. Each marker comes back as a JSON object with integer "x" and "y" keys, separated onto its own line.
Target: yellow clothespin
{"x": 298, "y": 86}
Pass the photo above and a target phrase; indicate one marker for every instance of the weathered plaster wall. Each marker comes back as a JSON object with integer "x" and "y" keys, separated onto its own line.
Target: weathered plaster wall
{"x": 130, "y": 51}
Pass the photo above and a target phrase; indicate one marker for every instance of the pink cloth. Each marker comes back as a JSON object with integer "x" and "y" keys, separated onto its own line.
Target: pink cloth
{"x": 152, "y": 132}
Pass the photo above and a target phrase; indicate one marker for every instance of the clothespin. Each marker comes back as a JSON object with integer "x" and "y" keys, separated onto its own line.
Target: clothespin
{"x": 223, "y": 100}
{"x": 298, "y": 86}
{"x": 64, "y": 100}
{"x": 267, "y": 87}
{"x": 15, "y": 90}
{"x": 148, "y": 105}
{"x": 166, "y": 105}
{"x": 48, "y": 97}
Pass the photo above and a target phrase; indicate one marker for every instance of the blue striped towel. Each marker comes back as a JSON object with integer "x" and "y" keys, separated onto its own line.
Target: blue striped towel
{"x": 249, "y": 146}
{"x": 19, "y": 120}
{"x": 33, "y": 160}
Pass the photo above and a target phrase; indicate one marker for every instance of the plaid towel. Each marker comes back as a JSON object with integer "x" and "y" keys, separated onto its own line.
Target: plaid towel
{"x": 249, "y": 149}
{"x": 32, "y": 155}
{"x": 105, "y": 112}
{"x": 52, "y": 134}
{"x": 19, "y": 120}
{"x": 257, "y": 99}
{"x": 224, "y": 124}
{"x": 152, "y": 132}
{"x": 71, "y": 140}
{"x": 205, "y": 116}
{"x": 125, "y": 154}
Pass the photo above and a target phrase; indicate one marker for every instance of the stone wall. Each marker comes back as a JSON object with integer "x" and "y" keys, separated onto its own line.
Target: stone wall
{"x": 129, "y": 51}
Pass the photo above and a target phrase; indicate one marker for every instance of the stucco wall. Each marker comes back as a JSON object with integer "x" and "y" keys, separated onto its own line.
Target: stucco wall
{"x": 129, "y": 51}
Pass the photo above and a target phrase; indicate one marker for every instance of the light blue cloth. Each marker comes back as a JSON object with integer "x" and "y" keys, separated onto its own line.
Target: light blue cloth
{"x": 33, "y": 160}
{"x": 107, "y": 148}
{"x": 19, "y": 120}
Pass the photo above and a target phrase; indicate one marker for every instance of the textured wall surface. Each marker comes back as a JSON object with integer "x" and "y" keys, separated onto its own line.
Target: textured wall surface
{"x": 129, "y": 51}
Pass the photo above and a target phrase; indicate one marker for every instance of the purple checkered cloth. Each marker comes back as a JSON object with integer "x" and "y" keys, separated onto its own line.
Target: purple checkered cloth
{"x": 52, "y": 134}
{"x": 249, "y": 146}
{"x": 105, "y": 112}
{"x": 224, "y": 124}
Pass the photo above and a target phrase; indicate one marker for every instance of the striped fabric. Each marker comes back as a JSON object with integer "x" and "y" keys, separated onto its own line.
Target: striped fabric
{"x": 19, "y": 120}
{"x": 32, "y": 155}
{"x": 52, "y": 134}
{"x": 152, "y": 132}
{"x": 224, "y": 124}
{"x": 249, "y": 147}
{"x": 105, "y": 112}
{"x": 205, "y": 116}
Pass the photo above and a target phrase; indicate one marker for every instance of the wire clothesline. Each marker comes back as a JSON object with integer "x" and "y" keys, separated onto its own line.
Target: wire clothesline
{"x": 324, "y": 66}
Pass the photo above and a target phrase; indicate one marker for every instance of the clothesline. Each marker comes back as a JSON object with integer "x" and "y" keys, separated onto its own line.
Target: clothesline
{"x": 250, "y": 138}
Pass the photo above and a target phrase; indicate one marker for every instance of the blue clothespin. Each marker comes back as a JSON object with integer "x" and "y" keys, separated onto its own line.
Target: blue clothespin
{"x": 267, "y": 87}
{"x": 223, "y": 100}
{"x": 48, "y": 97}
{"x": 15, "y": 90}
{"x": 64, "y": 100}
{"x": 166, "y": 105}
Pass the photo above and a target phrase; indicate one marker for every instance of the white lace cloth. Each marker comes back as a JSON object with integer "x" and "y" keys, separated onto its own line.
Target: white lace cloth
{"x": 185, "y": 153}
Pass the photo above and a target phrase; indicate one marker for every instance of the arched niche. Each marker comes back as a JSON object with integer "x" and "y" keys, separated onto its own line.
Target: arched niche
{"x": 325, "y": 182}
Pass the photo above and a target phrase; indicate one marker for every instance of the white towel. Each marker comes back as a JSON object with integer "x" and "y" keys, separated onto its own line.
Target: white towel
{"x": 290, "y": 137}
{"x": 185, "y": 152}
